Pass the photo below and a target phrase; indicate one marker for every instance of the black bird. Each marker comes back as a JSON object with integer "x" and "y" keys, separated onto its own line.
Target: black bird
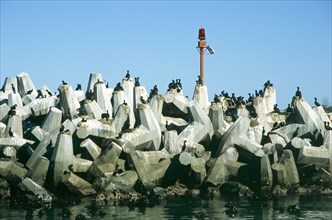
{"x": 49, "y": 92}
{"x": 105, "y": 115}
{"x": 127, "y": 77}
{"x": 118, "y": 87}
{"x": 298, "y": 93}
{"x": 199, "y": 81}
{"x": 71, "y": 167}
{"x": 216, "y": 98}
{"x": 29, "y": 91}
{"x": 124, "y": 102}
{"x": 64, "y": 83}
{"x": 143, "y": 100}
{"x": 327, "y": 125}
{"x": 13, "y": 88}
{"x": 84, "y": 119}
{"x": 184, "y": 146}
{"x": 256, "y": 93}
{"x": 11, "y": 134}
{"x": 12, "y": 110}
{"x": 137, "y": 83}
{"x": 2, "y": 88}
{"x": 62, "y": 128}
{"x": 289, "y": 109}
{"x": 78, "y": 87}
{"x": 276, "y": 109}
{"x": 316, "y": 103}
{"x": 295, "y": 133}
{"x": 253, "y": 114}
{"x": 40, "y": 94}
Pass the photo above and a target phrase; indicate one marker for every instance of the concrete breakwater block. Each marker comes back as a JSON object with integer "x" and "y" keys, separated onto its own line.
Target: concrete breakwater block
{"x": 34, "y": 191}
{"x": 110, "y": 140}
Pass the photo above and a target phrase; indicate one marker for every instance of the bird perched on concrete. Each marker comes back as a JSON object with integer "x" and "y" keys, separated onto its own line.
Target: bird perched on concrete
{"x": 137, "y": 83}
{"x": 295, "y": 133}
{"x": 199, "y": 81}
{"x": 10, "y": 132}
{"x": 105, "y": 115}
{"x": 49, "y": 92}
{"x": 276, "y": 109}
{"x": 298, "y": 93}
{"x": 64, "y": 83}
{"x": 327, "y": 125}
{"x": 127, "y": 77}
{"x": 13, "y": 88}
{"x": 289, "y": 109}
{"x": 216, "y": 98}
{"x": 118, "y": 87}
{"x": 12, "y": 111}
{"x": 29, "y": 92}
{"x": 143, "y": 100}
{"x": 316, "y": 103}
{"x": 78, "y": 87}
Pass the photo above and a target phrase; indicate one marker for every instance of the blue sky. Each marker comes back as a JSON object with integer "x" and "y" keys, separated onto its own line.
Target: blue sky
{"x": 286, "y": 42}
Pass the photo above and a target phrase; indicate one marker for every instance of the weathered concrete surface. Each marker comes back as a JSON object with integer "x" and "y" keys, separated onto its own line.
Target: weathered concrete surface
{"x": 12, "y": 171}
{"x": 4, "y": 109}
{"x": 9, "y": 152}
{"x": 128, "y": 86}
{"x": 34, "y": 191}
{"x": 266, "y": 174}
{"x": 270, "y": 97}
{"x": 124, "y": 118}
{"x": 287, "y": 160}
{"x": 14, "y": 142}
{"x": 178, "y": 100}
{"x": 92, "y": 149}
{"x": 94, "y": 78}
{"x": 216, "y": 116}
{"x": 316, "y": 155}
{"x": 201, "y": 96}
{"x": 95, "y": 128}
{"x": 68, "y": 102}
{"x": 77, "y": 185}
{"x": 279, "y": 174}
{"x": 140, "y": 92}
{"x": 38, "y": 172}
{"x": 81, "y": 165}
{"x": 171, "y": 143}
{"x": 15, "y": 125}
{"x": 218, "y": 174}
{"x": 24, "y": 84}
{"x": 150, "y": 175}
{"x": 102, "y": 98}
{"x": 123, "y": 182}
{"x": 311, "y": 119}
{"x": 236, "y": 134}
{"x": 62, "y": 157}
{"x": 107, "y": 161}
{"x": 93, "y": 109}
{"x": 156, "y": 104}
{"x": 52, "y": 120}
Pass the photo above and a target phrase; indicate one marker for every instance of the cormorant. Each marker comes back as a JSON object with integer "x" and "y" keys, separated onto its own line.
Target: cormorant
{"x": 316, "y": 103}
{"x": 137, "y": 83}
{"x": 29, "y": 92}
{"x": 295, "y": 133}
{"x": 40, "y": 94}
{"x": 143, "y": 100}
{"x": 13, "y": 88}
{"x": 118, "y": 87}
{"x": 256, "y": 93}
{"x": 289, "y": 109}
{"x": 11, "y": 134}
{"x": 327, "y": 125}
{"x": 275, "y": 108}
{"x": 64, "y": 83}
{"x": 48, "y": 92}
{"x": 62, "y": 128}
{"x": 216, "y": 98}
{"x": 78, "y": 87}
{"x": 199, "y": 81}
{"x": 105, "y": 115}
{"x": 298, "y": 93}
{"x": 127, "y": 77}
{"x": 12, "y": 110}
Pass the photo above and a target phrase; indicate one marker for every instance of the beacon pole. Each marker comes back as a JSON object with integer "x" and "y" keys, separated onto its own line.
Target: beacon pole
{"x": 201, "y": 46}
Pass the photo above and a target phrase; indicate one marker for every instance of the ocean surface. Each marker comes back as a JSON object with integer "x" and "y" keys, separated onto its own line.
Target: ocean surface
{"x": 282, "y": 207}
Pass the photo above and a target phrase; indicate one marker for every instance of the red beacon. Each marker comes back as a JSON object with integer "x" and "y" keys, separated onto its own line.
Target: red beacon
{"x": 201, "y": 34}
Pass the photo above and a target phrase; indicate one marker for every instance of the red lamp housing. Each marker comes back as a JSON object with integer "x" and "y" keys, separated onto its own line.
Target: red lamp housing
{"x": 201, "y": 34}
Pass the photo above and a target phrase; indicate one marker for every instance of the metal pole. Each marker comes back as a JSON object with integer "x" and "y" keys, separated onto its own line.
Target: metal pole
{"x": 202, "y": 64}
